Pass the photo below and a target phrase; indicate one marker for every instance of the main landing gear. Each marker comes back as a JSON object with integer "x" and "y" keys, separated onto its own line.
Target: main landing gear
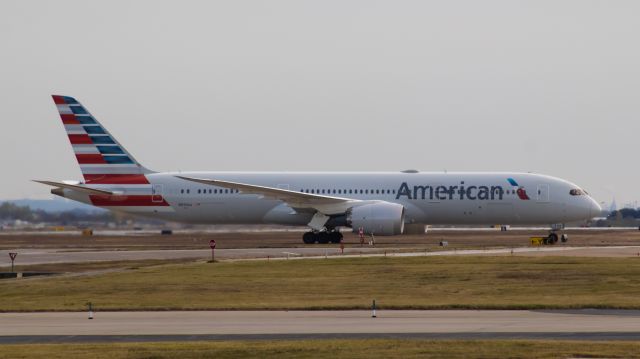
{"x": 322, "y": 237}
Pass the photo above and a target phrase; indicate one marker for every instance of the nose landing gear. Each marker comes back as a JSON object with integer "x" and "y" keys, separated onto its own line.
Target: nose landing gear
{"x": 553, "y": 238}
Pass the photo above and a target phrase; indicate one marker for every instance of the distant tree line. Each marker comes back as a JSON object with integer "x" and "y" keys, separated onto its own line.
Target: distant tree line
{"x": 11, "y": 211}
{"x": 625, "y": 213}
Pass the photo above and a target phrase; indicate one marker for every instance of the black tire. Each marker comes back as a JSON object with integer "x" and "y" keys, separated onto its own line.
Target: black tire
{"x": 553, "y": 238}
{"x": 336, "y": 237}
{"x": 324, "y": 237}
{"x": 309, "y": 238}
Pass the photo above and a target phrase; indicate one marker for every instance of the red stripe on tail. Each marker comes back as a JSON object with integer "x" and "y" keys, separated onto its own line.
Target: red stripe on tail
{"x": 80, "y": 140}
{"x": 115, "y": 179}
{"x": 59, "y": 100}
{"x": 69, "y": 119}
{"x": 90, "y": 159}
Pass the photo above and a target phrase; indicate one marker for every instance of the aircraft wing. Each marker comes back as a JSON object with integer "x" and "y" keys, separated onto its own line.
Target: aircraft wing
{"x": 299, "y": 200}
{"x": 78, "y": 188}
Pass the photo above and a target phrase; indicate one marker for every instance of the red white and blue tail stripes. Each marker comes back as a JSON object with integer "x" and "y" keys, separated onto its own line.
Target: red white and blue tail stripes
{"x": 101, "y": 158}
{"x": 103, "y": 161}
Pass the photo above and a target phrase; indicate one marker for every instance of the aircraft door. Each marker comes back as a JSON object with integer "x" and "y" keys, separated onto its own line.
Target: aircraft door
{"x": 543, "y": 193}
{"x": 156, "y": 193}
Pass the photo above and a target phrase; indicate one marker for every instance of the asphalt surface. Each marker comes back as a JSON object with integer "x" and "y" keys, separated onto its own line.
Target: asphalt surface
{"x": 44, "y": 256}
{"x": 45, "y": 339}
{"x": 236, "y": 325}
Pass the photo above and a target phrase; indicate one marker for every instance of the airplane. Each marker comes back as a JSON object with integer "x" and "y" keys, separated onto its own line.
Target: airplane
{"x": 373, "y": 203}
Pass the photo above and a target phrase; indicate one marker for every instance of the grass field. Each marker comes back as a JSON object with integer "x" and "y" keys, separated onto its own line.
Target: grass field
{"x": 330, "y": 349}
{"x": 396, "y": 283}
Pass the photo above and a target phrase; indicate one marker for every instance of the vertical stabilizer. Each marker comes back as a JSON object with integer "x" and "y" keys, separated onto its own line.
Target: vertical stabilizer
{"x": 101, "y": 157}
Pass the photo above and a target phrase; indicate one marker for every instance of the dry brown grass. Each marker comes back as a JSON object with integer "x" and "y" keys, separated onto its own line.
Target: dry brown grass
{"x": 396, "y": 283}
{"x": 330, "y": 349}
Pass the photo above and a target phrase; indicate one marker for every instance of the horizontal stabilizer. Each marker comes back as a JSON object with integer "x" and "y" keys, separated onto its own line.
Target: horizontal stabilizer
{"x": 78, "y": 188}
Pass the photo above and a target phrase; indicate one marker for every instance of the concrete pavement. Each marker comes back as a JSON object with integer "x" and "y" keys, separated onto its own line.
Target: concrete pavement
{"x": 319, "y": 322}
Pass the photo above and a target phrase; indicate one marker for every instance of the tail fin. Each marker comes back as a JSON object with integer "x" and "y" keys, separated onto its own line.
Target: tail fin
{"x": 101, "y": 158}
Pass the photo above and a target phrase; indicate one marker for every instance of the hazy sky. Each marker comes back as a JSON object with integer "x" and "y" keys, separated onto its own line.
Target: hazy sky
{"x": 543, "y": 86}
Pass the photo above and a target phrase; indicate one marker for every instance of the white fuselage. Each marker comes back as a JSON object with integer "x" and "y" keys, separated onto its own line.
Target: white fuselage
{"x": 428, "y": 197}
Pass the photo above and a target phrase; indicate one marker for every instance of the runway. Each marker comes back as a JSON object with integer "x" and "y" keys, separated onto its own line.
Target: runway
{"x": 195, "y": 325}
{"x": 44, "y": 256}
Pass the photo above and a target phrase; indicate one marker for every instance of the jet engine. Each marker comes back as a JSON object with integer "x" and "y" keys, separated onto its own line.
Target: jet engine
{"x": 381, "y": 218}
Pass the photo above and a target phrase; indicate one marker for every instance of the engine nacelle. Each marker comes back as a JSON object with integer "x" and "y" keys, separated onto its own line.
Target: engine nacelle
{"x": 381, "y": 218}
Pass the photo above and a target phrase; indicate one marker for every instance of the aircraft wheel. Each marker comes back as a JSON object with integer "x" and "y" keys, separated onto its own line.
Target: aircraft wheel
{"x": 564, "y": 238}
{"x": 324, "y": 237}
{"x": 336, "y": 237}
{"x": 309, "y": 238}
{"x": 553, "y": 238}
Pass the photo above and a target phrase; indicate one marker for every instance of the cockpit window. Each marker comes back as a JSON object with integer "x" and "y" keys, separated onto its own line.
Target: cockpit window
{"x": 577, "y": 192}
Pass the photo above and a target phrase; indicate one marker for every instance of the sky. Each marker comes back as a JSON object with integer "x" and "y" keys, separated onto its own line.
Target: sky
{"x": 543, "y": 86}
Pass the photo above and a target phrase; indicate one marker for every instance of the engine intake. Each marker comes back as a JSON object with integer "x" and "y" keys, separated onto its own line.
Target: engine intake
{"x": 382, "y": 218}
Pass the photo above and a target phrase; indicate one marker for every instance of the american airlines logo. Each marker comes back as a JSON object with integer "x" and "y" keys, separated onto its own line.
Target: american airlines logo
{"x": 460, "y": 192}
